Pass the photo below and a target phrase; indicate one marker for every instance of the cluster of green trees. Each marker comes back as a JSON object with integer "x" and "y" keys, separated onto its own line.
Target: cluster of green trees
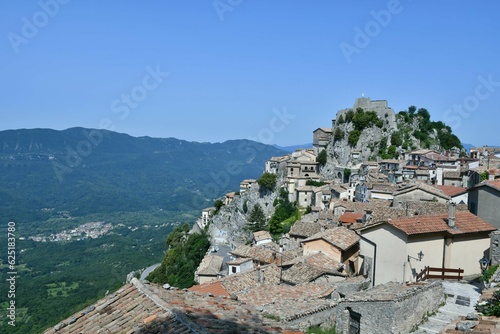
{"x": 184, "y": 253}
{"x": 284, "y": 211}
{"x": 361, "y": 120}
{"x": 445, "y": 137}
{"x": 267, "y": 181}
{"x": 315, "y": 183}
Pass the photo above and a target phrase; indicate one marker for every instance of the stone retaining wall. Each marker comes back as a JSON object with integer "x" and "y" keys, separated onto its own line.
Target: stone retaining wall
{"x": 396, "y": 315}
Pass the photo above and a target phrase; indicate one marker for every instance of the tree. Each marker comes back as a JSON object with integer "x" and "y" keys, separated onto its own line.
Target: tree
{"x": 284, "y": 210}
{"x": 411, "y": 110}
{"x": 396, "y": 139}
{"x": 340, "y": 120}
{"x": 313, "y": 183}
{"x": 424, "y": 113}
{"x": 258, "y": 218}
{"x": 484, "y": 176}
{"x": 349, "y": 115}
{"x": 347, "y": 174}
{"x": 338, "y": 134}
{"x": 267, "y": 181}
{"x": 245, "y": 206}
{"x": 353, "y": 137}
{"x": 391, "y": 151}
{"x": 218, "y": 204}
{"x": 321, "y": 158}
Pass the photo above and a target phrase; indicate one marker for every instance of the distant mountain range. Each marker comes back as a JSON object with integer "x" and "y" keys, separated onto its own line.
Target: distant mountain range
{"x": 89, "y": 171}
{"x": 292, "y": 148}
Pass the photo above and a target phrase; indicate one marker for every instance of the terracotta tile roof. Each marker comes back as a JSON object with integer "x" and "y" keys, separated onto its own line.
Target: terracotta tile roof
{"x": 303, "y": 273}
{"x": 215, "y": 287}
{"x": 308, "y": 268}
{"x": 423, "y": 187}
{"x": 392, "y": 161}
{"x": 338, "y": 188}
{"x": 128, "y": 310}
{"x": 263, "y": 295}
{"x": 317, "y": 259}
{"x": 238, "y": 261}
{"x": 269, "y": 274}
{"x": 438, "y": 157}
{"x": 305, "y": 229}
{"x": 340, "y": 237}
{"x": 452, "y": 190}
{"x": 232, "y": 284}
{"x": 465, "y": 222}
{"x": 350, "y": 217}
{"x": 494, "y": 184}
{"x": 260, "y": 254}
{"x": 261, "y": 235}
{"x": 421, "y": 151}
{"x": 210, "y": 265}
{"x": 328, "y": 130}
{"x": 451, "y": 175}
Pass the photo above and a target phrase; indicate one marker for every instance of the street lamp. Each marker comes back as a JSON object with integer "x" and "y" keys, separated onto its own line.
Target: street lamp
{"x": 484, "y": 263}
{"x": 419, "y": 258}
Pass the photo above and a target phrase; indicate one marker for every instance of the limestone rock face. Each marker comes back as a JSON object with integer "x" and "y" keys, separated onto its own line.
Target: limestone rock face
{"x": 229, "y": 224}
{"x": 344, "y": 154}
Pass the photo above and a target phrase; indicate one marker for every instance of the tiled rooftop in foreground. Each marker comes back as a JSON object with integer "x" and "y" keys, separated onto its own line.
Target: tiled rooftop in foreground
{"x": 149, "y": 308}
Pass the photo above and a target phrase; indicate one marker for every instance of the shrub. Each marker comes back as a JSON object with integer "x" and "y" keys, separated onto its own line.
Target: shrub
{"x": 267, "y": 181}
{"x": 339, "y": 134}
{"x": 354, "y": 137}
{"x": 321, "y": 158}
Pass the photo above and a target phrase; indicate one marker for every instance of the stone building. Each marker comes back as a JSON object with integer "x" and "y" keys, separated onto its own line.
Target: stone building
{"x": 388, "y": 308}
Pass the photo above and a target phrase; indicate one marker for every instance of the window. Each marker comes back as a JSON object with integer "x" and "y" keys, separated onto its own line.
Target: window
{"x": 233, "y": 270}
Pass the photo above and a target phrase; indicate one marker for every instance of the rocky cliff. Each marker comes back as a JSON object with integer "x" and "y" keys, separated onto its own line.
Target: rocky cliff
{"x": 229, "y": 225}
{"x": 371, "y": 130}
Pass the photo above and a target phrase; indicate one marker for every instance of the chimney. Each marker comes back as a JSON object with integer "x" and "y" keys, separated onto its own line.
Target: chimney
{"x": 451, "y": 214}
{"x": 368, "y": 215}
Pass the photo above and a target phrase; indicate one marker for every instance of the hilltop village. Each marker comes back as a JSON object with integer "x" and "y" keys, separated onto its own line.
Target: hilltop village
{"x": 348, "y": 234}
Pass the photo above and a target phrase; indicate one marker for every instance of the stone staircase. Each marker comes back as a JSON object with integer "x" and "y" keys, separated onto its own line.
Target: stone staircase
{"x": 460, "y": 301}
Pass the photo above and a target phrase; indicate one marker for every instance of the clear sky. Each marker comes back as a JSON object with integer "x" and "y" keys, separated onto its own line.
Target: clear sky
{"x": 260, "y": 69}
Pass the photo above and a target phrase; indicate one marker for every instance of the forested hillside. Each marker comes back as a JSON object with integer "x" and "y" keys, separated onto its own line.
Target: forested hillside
{"x": 52, "y": 182}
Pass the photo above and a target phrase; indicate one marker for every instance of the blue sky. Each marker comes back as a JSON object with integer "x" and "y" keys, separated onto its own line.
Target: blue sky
{"x": 263, "y": 69}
